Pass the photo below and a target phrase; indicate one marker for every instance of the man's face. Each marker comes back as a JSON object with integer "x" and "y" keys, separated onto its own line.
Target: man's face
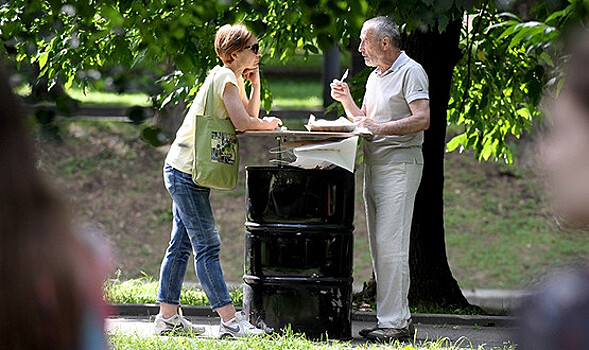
{"x": 370, "y": 47}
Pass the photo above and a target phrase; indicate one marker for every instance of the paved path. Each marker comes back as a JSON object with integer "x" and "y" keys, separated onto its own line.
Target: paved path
{"x": 469, "y": 334}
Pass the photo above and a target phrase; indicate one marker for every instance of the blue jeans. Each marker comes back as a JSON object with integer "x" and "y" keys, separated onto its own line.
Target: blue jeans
{"x": 193, "y": 230}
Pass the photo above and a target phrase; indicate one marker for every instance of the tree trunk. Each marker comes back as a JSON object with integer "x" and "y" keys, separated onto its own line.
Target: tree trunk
{"x": 432, "y": 283}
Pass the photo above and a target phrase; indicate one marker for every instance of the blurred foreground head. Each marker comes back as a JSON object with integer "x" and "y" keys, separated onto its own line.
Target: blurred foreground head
{"x": 556, "y": 315}
{"x": 565, "y": 152}
{"x": 49, "y": 279}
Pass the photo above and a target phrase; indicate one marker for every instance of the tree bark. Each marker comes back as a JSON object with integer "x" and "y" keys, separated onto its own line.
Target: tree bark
{"x": 432, "y": 283}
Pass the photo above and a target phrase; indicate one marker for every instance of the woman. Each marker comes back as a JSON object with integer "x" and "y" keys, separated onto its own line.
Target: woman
{"x": 194, "y": 228}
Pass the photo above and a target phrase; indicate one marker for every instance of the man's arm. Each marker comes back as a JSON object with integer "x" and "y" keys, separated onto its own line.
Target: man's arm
{"x": 418, "y": 121}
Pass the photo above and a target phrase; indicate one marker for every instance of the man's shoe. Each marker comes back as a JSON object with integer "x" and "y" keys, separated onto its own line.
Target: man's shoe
{"x": 364, "y": 332}
{"x": 176, "y": 324}
{"x": 390, "y": 334}
{"x": 238, "y": 327}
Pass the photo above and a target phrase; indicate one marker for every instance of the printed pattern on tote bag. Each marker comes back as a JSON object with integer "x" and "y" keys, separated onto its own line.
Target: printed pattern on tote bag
{"x": 223, "y": 147}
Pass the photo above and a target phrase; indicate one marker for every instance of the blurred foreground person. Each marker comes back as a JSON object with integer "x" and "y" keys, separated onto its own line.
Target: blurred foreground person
{"x": 556, "y": 315}
{"x": 566, "y": 149}
{"x": 50, "y": 277}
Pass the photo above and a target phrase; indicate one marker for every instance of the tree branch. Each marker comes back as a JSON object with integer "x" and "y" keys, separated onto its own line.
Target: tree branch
{"x": 469, "y": 44}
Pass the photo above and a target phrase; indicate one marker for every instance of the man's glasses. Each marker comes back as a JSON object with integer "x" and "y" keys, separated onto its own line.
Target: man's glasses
{"x": 255, "y": 48}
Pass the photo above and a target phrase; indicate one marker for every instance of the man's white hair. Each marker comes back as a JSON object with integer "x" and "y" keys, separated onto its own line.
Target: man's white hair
{"x": 385, "y": 27}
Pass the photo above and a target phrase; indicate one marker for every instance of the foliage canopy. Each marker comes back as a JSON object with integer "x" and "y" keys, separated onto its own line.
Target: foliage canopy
{"x": 497, "y": 89}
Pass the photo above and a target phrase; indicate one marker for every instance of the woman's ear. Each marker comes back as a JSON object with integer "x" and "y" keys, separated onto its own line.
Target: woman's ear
{"x": 233, "y": 56}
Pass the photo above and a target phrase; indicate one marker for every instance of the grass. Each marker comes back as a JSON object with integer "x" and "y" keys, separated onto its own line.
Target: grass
{"x": 293, "y": 93}
{"x": 144, "y": 290}
{"x": 296, "y": 93}
{"x": 500, "y": 231}
{"x": 104, "y": 98}
{"x": 288, "y": 93}
{"x": 285, "y": 341}
{"x": 299, "y": 61}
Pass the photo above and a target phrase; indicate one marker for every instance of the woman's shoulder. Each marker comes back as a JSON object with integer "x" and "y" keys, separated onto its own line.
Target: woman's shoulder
{"x": 224, "y": 73}
{"x": 223, "y": 76}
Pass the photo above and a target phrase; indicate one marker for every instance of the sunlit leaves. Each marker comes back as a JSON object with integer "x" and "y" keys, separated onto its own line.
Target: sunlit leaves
{"x": 513, "y": 62}
{"x": 496, "y": 89}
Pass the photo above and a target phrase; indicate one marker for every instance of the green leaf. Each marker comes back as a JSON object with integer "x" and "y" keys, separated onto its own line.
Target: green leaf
{"x": 546, "y": 58}
{"x": 510, "y": 30}
{"x": 487, "y": 151}
{"x": 311, "y": 48}
{"x": 509, "y": 15}
{"x": 456, "y": 141}
{"x": 502, "y": 24}
{"x": 43, "y": 59}
{"x": 325, "y": 42}
{"x": 524, "y": 113}
{"x": 69, "y": 82}
{"x": 443, "y": 21}
{"x": 443, "y": 6}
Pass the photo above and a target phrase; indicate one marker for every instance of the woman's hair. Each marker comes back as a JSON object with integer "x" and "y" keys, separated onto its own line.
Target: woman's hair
{"x": 230, "y": 39}
{"x": 384, "y": 27}
{"x": 578, "y": 70}
{"x": 41, "y": 259}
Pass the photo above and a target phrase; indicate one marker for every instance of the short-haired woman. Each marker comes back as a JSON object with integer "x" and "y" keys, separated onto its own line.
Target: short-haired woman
{"x": 194, "y": 228}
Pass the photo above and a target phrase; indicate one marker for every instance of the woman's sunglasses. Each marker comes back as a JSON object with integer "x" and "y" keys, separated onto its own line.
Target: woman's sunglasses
{"x": 255, "y": 48}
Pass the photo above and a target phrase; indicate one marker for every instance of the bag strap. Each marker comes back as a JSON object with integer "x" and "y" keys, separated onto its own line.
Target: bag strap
{"x": 209, "y": 95}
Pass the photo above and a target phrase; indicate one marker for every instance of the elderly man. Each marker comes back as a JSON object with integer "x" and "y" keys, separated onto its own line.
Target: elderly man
{"x": 396, "y": 110}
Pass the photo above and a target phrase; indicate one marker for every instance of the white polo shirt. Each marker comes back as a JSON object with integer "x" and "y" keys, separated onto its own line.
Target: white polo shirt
{"x": 386, "y": 99}
{"x": 181, "y": 153}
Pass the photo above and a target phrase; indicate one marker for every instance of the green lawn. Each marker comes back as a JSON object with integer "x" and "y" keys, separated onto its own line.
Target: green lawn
{"x": 288, "y": 93}
{"x": 294, "y": 93}
{"x": 270, "y": 342}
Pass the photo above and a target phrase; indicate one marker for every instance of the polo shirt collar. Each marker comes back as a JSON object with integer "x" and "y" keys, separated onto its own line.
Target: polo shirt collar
{"x": 399, "y": 62}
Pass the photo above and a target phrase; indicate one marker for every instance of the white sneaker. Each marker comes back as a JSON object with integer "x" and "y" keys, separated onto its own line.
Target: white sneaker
{"x": 238, "y": 326}
{"x": 176, "y": 324}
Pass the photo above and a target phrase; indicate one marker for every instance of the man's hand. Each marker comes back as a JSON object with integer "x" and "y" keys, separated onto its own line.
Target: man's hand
{"x": 369, "y": 124}
{"x": 340, "y": 91}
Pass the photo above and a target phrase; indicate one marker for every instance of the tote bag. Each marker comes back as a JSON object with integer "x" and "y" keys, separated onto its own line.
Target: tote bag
{"x": 216, "y": 148}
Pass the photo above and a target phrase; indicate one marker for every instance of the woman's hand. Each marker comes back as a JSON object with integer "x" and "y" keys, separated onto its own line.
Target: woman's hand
{"x": 252, "y": 75}
{"x": 272, "y": 122}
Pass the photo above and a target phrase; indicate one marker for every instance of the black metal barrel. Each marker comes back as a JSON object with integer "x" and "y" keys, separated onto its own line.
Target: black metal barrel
{"x": 299, "y": 249}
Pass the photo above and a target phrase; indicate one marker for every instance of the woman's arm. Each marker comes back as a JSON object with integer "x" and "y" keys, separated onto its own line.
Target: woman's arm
{"x": 240, "y": 117}
{"x": 252, "y": 106}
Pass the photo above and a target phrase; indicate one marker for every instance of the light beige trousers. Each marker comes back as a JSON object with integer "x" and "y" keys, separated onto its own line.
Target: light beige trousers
{"x": 389, "y": 196}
